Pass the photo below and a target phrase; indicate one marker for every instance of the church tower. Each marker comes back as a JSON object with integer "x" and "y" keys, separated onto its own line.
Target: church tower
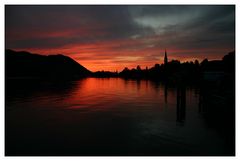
{"x": 165, "y": 58}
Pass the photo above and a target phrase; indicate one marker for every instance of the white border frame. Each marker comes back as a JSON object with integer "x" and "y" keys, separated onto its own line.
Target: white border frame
{"x": 74, "y": 2}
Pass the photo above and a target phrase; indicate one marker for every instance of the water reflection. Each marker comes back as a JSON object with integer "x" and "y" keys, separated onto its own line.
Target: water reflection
{"x": 97, "y": 116}
{"x": 165, "y": 93}
{"x": 181, "y": 104}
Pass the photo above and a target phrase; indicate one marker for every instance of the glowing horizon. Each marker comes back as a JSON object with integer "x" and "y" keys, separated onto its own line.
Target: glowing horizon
{"x": 111, "y": 38}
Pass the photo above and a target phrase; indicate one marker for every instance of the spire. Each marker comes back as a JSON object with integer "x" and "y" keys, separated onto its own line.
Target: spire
{"x": 165, "y": 57}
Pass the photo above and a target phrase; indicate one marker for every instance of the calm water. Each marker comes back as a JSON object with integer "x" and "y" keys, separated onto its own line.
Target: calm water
{"x": 97, "y": 116}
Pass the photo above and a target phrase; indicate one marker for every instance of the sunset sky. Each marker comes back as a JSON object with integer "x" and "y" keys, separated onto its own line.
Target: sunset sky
{"x": 113, "y": 37}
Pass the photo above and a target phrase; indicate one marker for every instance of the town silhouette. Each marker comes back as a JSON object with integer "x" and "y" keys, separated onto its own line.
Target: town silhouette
{"x": 25, "y": 64}
{"x": 215, "y": 80}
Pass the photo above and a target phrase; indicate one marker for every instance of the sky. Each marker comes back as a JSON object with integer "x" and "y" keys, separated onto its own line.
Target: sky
{"x": 111, "y": 37}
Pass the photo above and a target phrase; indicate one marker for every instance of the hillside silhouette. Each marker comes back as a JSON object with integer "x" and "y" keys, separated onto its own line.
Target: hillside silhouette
{"x": 27, "y": 65}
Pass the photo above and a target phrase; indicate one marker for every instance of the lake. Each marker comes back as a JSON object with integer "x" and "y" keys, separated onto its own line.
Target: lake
{"x": 105, "y": 117}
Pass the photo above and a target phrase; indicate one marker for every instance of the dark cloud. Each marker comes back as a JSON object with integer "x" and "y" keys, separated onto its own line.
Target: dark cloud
{"x": 191, "y": 27}
{"x": 120, "y": 32}
{"x": 162, "y": 10}
{"x": 89, "y": 23}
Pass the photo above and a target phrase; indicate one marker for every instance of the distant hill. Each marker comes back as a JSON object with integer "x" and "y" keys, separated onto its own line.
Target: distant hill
{"x": 27, "y": 65}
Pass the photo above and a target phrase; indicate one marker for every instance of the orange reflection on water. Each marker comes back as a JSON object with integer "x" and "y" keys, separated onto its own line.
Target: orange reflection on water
{"x": 104, "y": 93}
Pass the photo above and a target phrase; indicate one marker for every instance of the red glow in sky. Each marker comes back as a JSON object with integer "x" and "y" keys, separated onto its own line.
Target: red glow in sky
{"x": 113, "y": 37}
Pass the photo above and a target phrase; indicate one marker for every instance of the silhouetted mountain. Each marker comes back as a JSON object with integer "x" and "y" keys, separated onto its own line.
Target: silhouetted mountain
{"x": 28, "y": 65}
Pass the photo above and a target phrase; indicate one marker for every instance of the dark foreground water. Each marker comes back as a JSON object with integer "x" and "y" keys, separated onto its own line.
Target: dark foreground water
{"x": 108, "y": 117}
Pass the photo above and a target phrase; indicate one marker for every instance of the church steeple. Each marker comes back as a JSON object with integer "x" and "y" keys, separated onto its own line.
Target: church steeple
{"x": 165, "y": 58}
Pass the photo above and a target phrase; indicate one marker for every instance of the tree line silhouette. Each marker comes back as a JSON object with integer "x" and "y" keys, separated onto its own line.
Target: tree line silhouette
{"x": 175, "y": 71}
{"x": 28, "y": 65}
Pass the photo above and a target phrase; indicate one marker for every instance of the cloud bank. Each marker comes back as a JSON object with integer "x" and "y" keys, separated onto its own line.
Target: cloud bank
{"x": 112, "y": 37}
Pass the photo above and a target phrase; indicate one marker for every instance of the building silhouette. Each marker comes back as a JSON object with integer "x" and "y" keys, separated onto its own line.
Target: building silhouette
{"x": 165, "y": 58}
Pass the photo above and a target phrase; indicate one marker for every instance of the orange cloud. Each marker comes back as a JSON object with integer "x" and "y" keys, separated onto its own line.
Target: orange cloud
{"x": 116, "y": 54}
